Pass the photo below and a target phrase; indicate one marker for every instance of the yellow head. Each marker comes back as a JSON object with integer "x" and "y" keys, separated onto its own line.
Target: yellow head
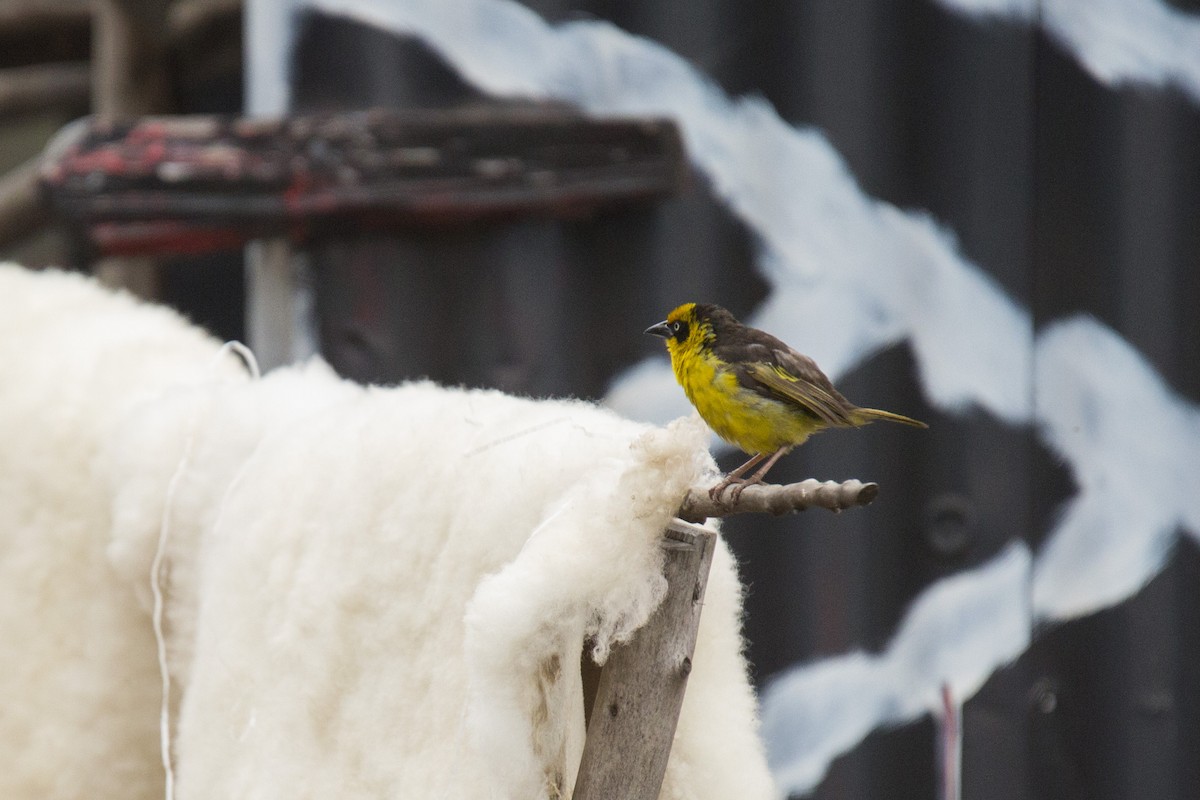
{"x": 691, "y": 328}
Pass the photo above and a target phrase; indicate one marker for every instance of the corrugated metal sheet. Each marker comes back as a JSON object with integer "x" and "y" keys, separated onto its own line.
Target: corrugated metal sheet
{"x": 1073, "y": 197}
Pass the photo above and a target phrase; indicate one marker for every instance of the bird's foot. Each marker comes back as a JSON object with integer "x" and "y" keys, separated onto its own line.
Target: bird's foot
{"x": 738, "y": 486}
{"x": 714, "y": 493}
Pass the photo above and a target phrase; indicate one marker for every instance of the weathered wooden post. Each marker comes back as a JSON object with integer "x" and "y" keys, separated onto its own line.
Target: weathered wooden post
{"x": 641, "y": 687}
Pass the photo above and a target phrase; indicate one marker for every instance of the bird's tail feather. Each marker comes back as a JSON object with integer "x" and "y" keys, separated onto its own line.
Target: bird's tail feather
{"x": 864, "y": 415}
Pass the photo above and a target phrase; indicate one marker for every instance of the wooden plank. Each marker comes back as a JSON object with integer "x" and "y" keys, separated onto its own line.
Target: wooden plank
{"x": 129, "y": 57}
{"x": 129, "y": 78}
{"x": 641, "y": 689}
{"x": 193, "y": 183}
{"x": 42, "y": 86}
{"x": 189, "y": 18}
{"x": 29, "y": 17}
{"x": 22, "y": 212}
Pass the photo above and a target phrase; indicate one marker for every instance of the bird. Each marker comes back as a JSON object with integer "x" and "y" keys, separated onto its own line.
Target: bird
{"x": 753, "y": 390}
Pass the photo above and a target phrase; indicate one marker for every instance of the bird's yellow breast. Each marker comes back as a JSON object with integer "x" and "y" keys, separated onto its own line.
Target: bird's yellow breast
{"x": 742, "y": 417}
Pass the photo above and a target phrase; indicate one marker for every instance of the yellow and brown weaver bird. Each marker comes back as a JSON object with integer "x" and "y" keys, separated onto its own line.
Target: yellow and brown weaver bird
{"x": 757, "y": 393}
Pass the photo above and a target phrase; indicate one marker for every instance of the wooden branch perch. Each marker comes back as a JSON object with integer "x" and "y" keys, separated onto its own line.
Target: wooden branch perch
{"x": 778, "y": 500}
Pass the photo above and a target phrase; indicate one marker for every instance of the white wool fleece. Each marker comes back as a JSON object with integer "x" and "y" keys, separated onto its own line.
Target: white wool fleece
{"x": 208, "y": 434}
{"x": 79, "y": 687}
{"x": 397, "y": 592}
{"x": 371, "y": 591}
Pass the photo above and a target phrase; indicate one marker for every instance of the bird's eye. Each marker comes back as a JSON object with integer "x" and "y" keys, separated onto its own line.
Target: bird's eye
{"x": 675, "y": 326}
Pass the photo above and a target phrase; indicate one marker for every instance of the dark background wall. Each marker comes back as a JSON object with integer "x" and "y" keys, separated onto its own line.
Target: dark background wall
{"x": 1073, "y": 196}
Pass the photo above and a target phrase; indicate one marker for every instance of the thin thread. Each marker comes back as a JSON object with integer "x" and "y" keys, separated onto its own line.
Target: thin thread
{"x": 516, "y": 435}
{"x": 156, "y": 568}
{"x": 532, "y": 429}
{"x": 247, "y": 356}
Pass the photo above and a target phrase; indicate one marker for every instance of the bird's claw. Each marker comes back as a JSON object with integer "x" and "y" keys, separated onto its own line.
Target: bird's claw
{"x": 736, "y": 486}
{"x": 740, "y": 487}
{"x": 714, "y": 493}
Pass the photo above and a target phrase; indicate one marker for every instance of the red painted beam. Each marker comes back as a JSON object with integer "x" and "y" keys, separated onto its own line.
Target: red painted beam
{"x": 191, "y": 184}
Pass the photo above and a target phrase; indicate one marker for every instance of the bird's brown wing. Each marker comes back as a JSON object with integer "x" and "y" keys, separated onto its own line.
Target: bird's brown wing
{"x": 823, "y": 402}
{"x": 766, "y": 365}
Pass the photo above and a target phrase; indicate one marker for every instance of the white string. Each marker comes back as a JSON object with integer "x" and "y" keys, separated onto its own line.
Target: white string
{"x": 247, "y": 355}
{"x": 532, "y": 429}
{"x": 156, "y": 567}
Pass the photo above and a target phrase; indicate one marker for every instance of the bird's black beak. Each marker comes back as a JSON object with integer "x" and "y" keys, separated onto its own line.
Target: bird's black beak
{"x": 662, "y": 330}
